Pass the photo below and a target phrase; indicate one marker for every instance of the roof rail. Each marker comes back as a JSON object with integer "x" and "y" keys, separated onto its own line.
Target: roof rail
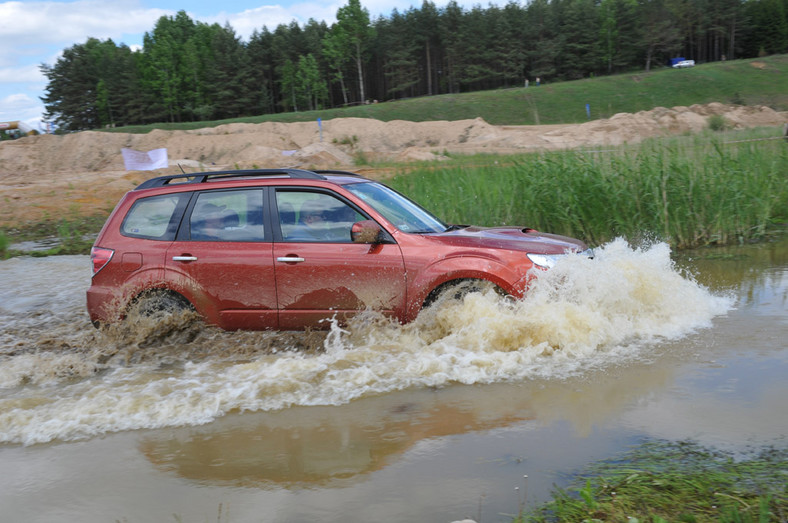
{"x": 203, "y": 177}
{"x": 330, "y": 171}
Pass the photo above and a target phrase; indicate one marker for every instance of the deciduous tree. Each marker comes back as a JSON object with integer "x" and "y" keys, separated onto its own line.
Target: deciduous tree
{"x": 354, "y": 23}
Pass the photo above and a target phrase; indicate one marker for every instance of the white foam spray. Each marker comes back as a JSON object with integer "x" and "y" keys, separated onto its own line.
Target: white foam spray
{"x": 581, "y": 314}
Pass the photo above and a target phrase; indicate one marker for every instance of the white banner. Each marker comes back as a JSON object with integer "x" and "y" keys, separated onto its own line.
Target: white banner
{"x": 139, "y": 161}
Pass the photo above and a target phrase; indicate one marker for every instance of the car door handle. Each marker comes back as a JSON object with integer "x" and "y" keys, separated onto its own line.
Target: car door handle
{"x": 290, "y": 259}
{"x": 184, "y": 258}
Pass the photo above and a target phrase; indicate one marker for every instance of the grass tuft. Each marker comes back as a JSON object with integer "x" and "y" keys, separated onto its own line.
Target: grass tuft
{"x": 675, "y": 481}
{"x": 718, "y": 123}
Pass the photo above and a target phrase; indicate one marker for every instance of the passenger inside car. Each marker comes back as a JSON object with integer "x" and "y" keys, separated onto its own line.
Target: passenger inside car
{"x": 311, "y": 225}
{"x": 213, "y": 223}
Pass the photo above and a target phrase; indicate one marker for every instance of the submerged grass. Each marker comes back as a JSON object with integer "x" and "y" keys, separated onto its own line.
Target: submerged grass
{"x": 675, "y": 481}
{"x": 72, "y": 235}
{"x": 688, "y": 191}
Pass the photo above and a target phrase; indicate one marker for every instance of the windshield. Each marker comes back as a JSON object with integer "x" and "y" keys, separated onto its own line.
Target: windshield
{"x": 406, "y": 215}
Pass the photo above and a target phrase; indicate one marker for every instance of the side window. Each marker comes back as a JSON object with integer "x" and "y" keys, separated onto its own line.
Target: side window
{"x": 155, "y": 218}
{"x": 228, "y": 216}
{"x": 314, "y": 217}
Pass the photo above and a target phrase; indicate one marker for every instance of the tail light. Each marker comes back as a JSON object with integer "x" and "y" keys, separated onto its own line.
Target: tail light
{"x": 99, "y": 257}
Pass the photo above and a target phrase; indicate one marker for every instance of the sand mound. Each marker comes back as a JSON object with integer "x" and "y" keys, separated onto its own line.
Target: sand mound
{"x": 85, "y": 170}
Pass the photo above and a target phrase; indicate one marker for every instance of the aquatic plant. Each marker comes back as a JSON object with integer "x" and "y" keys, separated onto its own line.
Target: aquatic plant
{"x": 4, "y": 242}
{"x": 661, "y": 481}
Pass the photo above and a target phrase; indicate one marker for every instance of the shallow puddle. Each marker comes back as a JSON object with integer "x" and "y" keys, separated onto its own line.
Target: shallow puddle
{"x": 473, "y": 411}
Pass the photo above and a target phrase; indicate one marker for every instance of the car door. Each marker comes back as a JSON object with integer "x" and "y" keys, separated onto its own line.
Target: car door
{"x": 223, "y": 258}
{"x": 320, "y": 272}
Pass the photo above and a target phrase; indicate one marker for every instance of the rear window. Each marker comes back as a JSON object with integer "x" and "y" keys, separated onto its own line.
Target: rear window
{"x": 156, "y": 217}
{"x": 228, "y": 216}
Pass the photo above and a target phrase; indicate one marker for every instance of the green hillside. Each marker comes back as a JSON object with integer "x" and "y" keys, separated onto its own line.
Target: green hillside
{"x": 762, "y": 81}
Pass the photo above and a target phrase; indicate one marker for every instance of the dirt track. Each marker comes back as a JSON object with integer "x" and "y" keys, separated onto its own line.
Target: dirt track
{"x": 44, "y": 177}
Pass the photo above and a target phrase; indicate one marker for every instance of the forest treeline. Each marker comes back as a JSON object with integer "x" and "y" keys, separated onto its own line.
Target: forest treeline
{"x": 187, "y": 70}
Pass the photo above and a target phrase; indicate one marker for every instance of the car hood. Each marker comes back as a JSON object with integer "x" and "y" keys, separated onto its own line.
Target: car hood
{"x": 512, "y": 238}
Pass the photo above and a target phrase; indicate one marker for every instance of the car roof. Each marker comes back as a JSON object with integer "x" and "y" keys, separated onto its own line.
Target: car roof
{"x": 235, "y": 175}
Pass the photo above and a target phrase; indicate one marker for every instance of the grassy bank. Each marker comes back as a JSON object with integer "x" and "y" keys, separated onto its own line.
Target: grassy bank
{"x": 662, "y": 481}
{"x": 761, "y": 81}
{"x": 689, "y": 191}
{"x": 71, "y": 235}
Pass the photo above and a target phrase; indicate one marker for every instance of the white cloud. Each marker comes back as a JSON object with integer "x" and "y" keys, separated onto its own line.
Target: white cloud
{"x": 21, "y": 107}
{"x": 271, "y": 16}
{"x": 23, "y": 74}
{"x": 57, "y": 22}
{"x": 38, "y": 30}
{"x": 17, "y": 100}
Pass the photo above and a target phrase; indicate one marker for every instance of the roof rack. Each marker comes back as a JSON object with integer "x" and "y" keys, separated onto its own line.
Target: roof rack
{"x": 330, "y": 171}
{"x": 203, "y": 177}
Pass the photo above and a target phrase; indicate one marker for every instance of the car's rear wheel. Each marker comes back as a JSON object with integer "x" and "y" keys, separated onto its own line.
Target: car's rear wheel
{"x": 160, "y": 302}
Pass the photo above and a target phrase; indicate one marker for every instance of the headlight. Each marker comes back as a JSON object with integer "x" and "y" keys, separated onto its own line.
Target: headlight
{"x": 544, "y": 260}
{"x": 547, "y": 261}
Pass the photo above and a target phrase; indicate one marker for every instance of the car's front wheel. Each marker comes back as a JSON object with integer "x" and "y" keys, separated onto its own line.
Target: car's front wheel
{"x": 458, "y": 289}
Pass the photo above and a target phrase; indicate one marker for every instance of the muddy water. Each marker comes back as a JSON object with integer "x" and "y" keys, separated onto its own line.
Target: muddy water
{"x": 473, "y": 411}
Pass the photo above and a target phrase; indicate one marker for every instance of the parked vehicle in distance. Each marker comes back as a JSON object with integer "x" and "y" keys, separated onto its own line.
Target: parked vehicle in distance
{"x": 287, "y": 248}
{"x": 684, "y": 63}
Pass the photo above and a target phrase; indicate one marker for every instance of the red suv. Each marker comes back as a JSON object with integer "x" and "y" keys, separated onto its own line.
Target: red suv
{"x": 287, "y": 248}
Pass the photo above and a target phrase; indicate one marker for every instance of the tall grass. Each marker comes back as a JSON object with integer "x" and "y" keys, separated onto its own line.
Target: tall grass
{"x": 688, "y": 191}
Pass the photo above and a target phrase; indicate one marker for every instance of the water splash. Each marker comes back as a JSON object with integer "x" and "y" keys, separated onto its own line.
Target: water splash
{"x": 581, "y": 314}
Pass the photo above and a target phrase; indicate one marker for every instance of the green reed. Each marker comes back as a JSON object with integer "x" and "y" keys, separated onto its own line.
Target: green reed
{"x": 4, "y": 243}
{"x": 661, "y": 481}
{"x": 689, "y": 191}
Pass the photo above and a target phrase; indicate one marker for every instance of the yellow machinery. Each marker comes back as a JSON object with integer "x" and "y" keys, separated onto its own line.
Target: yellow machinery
{"x": 23, "y": 128}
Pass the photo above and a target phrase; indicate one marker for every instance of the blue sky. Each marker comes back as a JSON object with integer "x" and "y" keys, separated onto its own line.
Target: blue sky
{"x": 34, "y": 32}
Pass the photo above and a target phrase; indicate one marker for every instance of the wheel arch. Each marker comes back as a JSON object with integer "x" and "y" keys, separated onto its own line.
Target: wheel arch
{"x": 455, "y": 270}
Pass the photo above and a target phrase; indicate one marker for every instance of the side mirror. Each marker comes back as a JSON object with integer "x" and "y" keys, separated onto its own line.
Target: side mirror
{"x": 365, "y": 231}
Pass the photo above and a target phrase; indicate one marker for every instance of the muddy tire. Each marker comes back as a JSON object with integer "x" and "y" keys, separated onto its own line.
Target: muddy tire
{"x": 154, "y": 303}
{"x": 458, "y": 289}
